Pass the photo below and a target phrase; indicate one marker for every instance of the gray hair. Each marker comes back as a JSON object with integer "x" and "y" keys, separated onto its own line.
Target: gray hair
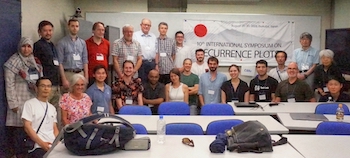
{"x": 307, "y": 35}
{"x": 327, "y": 53}
{"x": 127, "y": 26}
{"x": 74, "y": 79}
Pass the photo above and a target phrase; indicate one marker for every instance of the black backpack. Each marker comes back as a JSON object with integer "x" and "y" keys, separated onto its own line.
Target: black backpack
{"x": 251, "y": 136}
{"x": 87, "y": 138}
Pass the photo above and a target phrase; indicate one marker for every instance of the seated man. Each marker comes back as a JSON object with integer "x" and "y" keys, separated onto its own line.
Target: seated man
{"x": 40, "y": 119}
{"x": 154, "y": 92}
{"x": 335, "y": 85}
{"x": 100, "y": 93}
{"x": 294, "y": 89}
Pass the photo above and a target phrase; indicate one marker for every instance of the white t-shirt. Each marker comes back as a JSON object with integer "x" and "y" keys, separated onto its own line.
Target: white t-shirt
{"x": 181, "y": 54}
{"x": 34, "y": 111}
{"x": 199, "y": 69}
{"x": 279, "y": 75}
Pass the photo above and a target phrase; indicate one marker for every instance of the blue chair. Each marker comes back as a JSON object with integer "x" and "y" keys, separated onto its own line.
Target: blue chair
{"x": 333, "y": 128}
{"x": 174, "y": 108}
{"x": 217, "y": 109}
{"x": 220, "y": 126}
{"x": 330, "y": 108}
{"x": 183, "y": 129}
{"x": 140, "y": 129}
{"x": 135, "y": 110}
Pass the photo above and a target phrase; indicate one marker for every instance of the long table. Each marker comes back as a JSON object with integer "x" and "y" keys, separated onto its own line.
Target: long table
{"x": 150, "y": 121}
{"x": 285, "y": 107}
{"x": 320, "y": 146}
{"x": 305, "y": 125}
{"x": 173, "y": 148}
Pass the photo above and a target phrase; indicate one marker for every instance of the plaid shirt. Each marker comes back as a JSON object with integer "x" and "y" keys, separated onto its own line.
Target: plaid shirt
{"x": 166, "y": 45}
{"x": 123, "y": 50}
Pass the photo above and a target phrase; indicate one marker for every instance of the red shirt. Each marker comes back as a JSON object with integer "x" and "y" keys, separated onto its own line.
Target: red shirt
{"x": 97, "y": 54}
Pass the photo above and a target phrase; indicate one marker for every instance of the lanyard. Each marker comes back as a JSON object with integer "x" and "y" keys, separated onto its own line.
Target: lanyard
{"x": 278, "y": 74}
{"x": 288, "y": 88}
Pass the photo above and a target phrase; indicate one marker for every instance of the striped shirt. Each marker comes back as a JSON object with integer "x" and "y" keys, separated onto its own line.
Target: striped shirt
{"x": 165, "y": 48}
{"x": 126, "y": 52}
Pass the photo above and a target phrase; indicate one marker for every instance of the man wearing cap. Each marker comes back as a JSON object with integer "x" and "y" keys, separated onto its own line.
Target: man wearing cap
{"x": 307, "y": 58}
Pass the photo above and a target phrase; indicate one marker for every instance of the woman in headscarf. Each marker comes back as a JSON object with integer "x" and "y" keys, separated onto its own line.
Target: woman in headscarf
{"x": 21, "y": 72}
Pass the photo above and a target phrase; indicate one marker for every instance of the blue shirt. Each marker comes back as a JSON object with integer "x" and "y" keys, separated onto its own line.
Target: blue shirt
{"x": 308, "y": 57}
{"x": 211, "y": 90}
{"x": 100, "y": 99}
{"x": 69, "y": 51}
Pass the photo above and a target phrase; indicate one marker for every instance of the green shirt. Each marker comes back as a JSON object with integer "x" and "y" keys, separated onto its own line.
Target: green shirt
{"x": 190, "y": 81}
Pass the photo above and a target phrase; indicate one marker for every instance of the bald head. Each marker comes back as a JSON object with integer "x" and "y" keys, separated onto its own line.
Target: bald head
{"x": 145, "y": 25}
{"x": 153, "y": 77}
{"x": 292, "y": 70}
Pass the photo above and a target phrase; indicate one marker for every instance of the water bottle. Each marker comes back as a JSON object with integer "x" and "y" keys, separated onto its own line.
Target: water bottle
{"x": 340, "y": 113}
{"x": 161, "y": 130}
{"x": 329, "y": 100}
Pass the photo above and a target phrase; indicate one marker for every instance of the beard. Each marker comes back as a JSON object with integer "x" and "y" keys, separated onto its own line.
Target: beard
{"x": 212, "y": 69}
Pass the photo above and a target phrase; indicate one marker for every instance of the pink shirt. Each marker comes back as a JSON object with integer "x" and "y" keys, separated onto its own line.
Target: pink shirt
{"x": 76, "y": 109}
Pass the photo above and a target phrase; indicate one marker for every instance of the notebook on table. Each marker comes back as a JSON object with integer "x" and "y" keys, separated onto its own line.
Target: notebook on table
{"x": 308, "y": 116}
{"x": 244, "y": 104}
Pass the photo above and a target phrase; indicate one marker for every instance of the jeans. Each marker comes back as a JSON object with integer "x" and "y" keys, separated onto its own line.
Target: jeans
{"x": 146, "y": 67}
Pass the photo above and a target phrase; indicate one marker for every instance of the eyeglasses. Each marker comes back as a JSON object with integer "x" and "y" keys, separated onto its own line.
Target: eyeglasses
{"x": 45, "y": 86}
{"x": 188, "y": 141}
{"x": 146, "y": 25}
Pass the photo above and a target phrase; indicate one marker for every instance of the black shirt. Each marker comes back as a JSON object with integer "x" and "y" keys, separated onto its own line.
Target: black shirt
{"x": 232, "y": 93}
{"x": 321, "y": 76}
{"x": 342, "y": 98}
{"x": 150, "y": 93}
{"x": 46, "y": 52}
{"x": 263, "y": 87}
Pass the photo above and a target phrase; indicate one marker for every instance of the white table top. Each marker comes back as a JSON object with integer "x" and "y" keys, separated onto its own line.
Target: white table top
{"x": 306, "y": 125}
{"x": 320, "y": 146}
{"x": 150, "y": 121}
{"x": 285, "y": 107}
{"x": 173, "y": 148}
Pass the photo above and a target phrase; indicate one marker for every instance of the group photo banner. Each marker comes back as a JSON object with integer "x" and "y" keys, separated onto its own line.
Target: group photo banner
{"x": 240, "y": 42}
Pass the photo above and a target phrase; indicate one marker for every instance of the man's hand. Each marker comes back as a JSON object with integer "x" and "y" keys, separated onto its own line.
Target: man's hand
{"x": 46, "y": 146}
{"x": 65, "y": 84}
{"x": 15, "y": 109}
{"x": 301, "y": 76}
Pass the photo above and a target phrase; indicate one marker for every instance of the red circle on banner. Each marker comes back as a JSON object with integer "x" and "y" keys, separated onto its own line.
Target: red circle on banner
{"x": 200, "y": 30}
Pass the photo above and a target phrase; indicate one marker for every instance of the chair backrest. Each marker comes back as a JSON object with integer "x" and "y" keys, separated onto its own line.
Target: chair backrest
{"x": 217, "y": 109}
{"x": 330, "y": 108}
{"x": 184, "y": 129}
{"x": 219, "y": 126}
{"x": 135, "y": 110}
{"x": 140, "y": 129}
{"x": 333, "y": 128}
{"x": 174, "y": 108}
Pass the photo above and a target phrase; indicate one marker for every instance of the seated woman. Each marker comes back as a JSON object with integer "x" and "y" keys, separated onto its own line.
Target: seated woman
{"x": 335, "y": 84}
{"x": 75, "y": 104}
{"x": 127, "y": 90}
{"x": 175, "y": 90}
{"x": 326, "y": 69}
{"x": 234, "y": 90}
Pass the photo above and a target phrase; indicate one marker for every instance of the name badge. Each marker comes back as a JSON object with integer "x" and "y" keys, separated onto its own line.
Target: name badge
{"x": 262, "y": 97}
{"x": 211, "y": 92}
{"x": 304, "y": 67}
{"x": 291, "y": 100}
{"x": 100, "y": 109}
{"x": 130, "y": 58}
{"x": 234, "y": 100}
{"x": 150, "y": 105}
{"x": 55, "y": 62}
{"x": 128, "y": 101}
{"x": 99, "y": 57}
{"x": 34, "y": 76}
{"x": 162, "y": 54}
{"x": 76, "y": 57}
{"x": 325, "y": 89}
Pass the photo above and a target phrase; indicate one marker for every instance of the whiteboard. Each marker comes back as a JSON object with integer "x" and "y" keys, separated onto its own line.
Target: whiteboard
{"x": 311, "y": 24}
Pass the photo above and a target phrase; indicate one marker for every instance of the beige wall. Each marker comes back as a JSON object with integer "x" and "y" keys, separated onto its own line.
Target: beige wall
{"x": 341, "y": 14}
{"x": 55, "y": 11}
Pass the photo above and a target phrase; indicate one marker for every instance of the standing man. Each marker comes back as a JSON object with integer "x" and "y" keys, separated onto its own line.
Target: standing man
{"x": 199, "y": 67}
{"x": 182, "y": 51}
{"x": 192, "y": 81}
{"x": 38, "y": 112}
{"x": 165, "y": 53}
{"x": 307, "y": 58}
{"x": 100, "y": 93}
{"x": 72, "y": 55}
{"x": 147, "y": 41}
{"x": 154, "y": 92}
{"x": 46, "y": 52}
{"x": 262, "y": 87}
{"x": 293, "y": 89}
{"x": 98, "y": 49}
{"x": 280, "y": 72}
{"x": 209, "y": 85}
{"x": 124, "y": 49}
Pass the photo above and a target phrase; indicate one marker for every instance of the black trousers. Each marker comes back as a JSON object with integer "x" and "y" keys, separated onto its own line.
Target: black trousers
{"x": 38, "y": 152}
